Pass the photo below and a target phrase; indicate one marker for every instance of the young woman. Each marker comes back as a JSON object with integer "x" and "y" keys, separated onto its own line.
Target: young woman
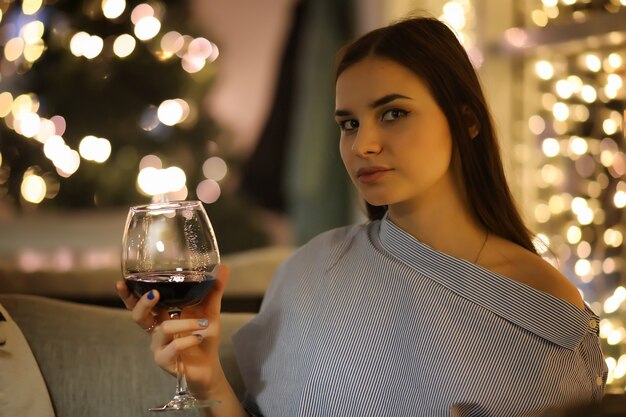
{"x": 440, "y": 304}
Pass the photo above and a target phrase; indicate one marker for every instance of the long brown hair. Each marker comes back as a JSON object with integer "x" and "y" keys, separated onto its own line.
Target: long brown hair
{"x": 429, "y": 48}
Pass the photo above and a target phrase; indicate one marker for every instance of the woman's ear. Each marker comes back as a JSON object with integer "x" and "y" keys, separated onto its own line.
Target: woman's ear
{"x": 471, "y": 121}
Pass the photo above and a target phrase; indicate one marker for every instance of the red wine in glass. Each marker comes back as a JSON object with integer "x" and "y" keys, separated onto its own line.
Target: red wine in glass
{"x": 177, "y": 289}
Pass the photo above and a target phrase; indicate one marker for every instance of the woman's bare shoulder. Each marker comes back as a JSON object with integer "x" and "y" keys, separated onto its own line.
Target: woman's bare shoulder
{"x": 517, "y": 263}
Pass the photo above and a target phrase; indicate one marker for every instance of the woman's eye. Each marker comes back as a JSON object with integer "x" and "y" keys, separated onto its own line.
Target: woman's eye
{"x": 393, "y": 114}
{"x": 348, "y": 125}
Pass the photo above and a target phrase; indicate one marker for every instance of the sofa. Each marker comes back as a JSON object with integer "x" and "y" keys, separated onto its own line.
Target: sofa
{"x": 89, "y": 360}
{"x": 81, "y": 360}
{"x": 61, "y": 358}
{"x": 62, "y": 355}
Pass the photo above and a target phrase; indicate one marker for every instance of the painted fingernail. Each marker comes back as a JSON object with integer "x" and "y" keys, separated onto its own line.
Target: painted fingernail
{"x": 199, "y": 336}
{"x": 203, "y": 323}
{"x": 150, "y": 295}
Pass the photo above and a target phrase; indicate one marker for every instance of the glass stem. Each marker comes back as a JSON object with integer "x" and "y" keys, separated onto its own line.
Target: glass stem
{"x": 181, "y": 384}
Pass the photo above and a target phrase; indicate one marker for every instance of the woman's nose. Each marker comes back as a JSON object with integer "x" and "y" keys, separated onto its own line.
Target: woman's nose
{"x": 366, "y": 143}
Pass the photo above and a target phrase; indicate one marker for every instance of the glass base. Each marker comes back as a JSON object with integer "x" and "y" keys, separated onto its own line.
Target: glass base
{"x": 184, "y": 402}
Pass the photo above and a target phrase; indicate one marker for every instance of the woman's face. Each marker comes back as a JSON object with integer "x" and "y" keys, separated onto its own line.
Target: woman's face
{"x": 395, "y": 140}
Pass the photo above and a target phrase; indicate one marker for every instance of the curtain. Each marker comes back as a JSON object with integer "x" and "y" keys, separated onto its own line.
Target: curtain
{"x": 296, "y": 167}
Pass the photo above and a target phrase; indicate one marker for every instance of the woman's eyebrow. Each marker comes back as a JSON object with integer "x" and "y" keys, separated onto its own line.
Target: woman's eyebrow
{"x": 341, "y": 113}
{"x": 376, "y": 103}
{"x": 387, "y": 99}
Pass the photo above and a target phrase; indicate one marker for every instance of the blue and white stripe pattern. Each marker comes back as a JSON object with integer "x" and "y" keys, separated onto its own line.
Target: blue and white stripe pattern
{"x": 366, "y": 320}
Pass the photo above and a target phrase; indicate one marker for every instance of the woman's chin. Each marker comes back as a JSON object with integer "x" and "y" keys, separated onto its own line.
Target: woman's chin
{"x": 377, "y": 202}
{"x": 378, "y": 197}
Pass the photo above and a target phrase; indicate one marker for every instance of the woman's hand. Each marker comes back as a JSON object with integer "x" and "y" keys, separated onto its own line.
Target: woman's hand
{"x": 197, "y": 335}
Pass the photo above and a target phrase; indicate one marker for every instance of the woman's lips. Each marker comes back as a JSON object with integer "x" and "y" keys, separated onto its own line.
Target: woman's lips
{"x": 370, "y": 175}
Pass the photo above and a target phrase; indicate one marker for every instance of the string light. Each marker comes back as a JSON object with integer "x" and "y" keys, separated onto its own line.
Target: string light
{"x": 583, "y": 142}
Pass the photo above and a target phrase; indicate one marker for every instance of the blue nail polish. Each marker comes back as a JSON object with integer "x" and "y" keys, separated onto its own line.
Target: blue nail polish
{"x": 203, "y": 323}
{"x": 150, "y": 295}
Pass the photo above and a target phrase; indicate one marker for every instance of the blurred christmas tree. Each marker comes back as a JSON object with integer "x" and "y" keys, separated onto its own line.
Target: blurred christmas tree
{"x": 119, "y": 76}
{"x": 102, "y": 106}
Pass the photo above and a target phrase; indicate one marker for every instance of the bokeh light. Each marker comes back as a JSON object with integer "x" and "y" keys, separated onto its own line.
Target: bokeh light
{"x": 32, "y": 32}
{"x": 564, "y": 89}
{"x": 536, "y": 124}
{"x": 619, "y": 199}
{"x": 150, "y": 161}
{"x": 140, "y": 11}
{"x": 154, "y": 181}
{"x": 192, "y": 63}
{"x": 544, "y": 70}
{"x": 149, "y": 118}
{"x": 593, "y": 62}
{"x": 13, "y": 49}
{"x": 59, "y": 124}
{"x": 32, "y": 52}
{"x": 33, "y": 188}
{"x": 83, "y": 44}
{"x": 539, "y": 17}
{"x": 578, "y": 145}
{"x": 574, "y": 234}
{"x": 78, "y": 43}
{"x": 28, "y": 124}
{"x": 215, "y": 168}
{"x": 613, "y": 237}
{"x": 30, "y": 7}
{"x": 94, "y": 149}
{"x": 6, "y": 103}
{"x": 615, "y": 60}
{"x": 208, "y": 191}
{"x": 588, "y": 93}
{"x": 560, "y": 111}
{"x": 124, "y": 45}
{"x": 170, "y": 112}
{"x": 550, "y": 147}
{"x": 200, "y": 47}
{"x": 147, "y": 28}
{"x": 113, "y": 9}
{"x": 171, "y": 43}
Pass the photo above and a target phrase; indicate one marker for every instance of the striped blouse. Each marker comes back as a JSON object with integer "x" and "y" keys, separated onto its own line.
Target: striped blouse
{"x": 367, "y": 320}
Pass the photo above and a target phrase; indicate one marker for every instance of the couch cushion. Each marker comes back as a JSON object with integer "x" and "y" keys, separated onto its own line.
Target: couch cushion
{"x": 23, "y": 391}
{"x": 96, "y": 361}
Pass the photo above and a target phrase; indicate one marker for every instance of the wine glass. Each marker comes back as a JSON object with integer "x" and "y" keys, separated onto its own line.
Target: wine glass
{"x": 171, "y": 247}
